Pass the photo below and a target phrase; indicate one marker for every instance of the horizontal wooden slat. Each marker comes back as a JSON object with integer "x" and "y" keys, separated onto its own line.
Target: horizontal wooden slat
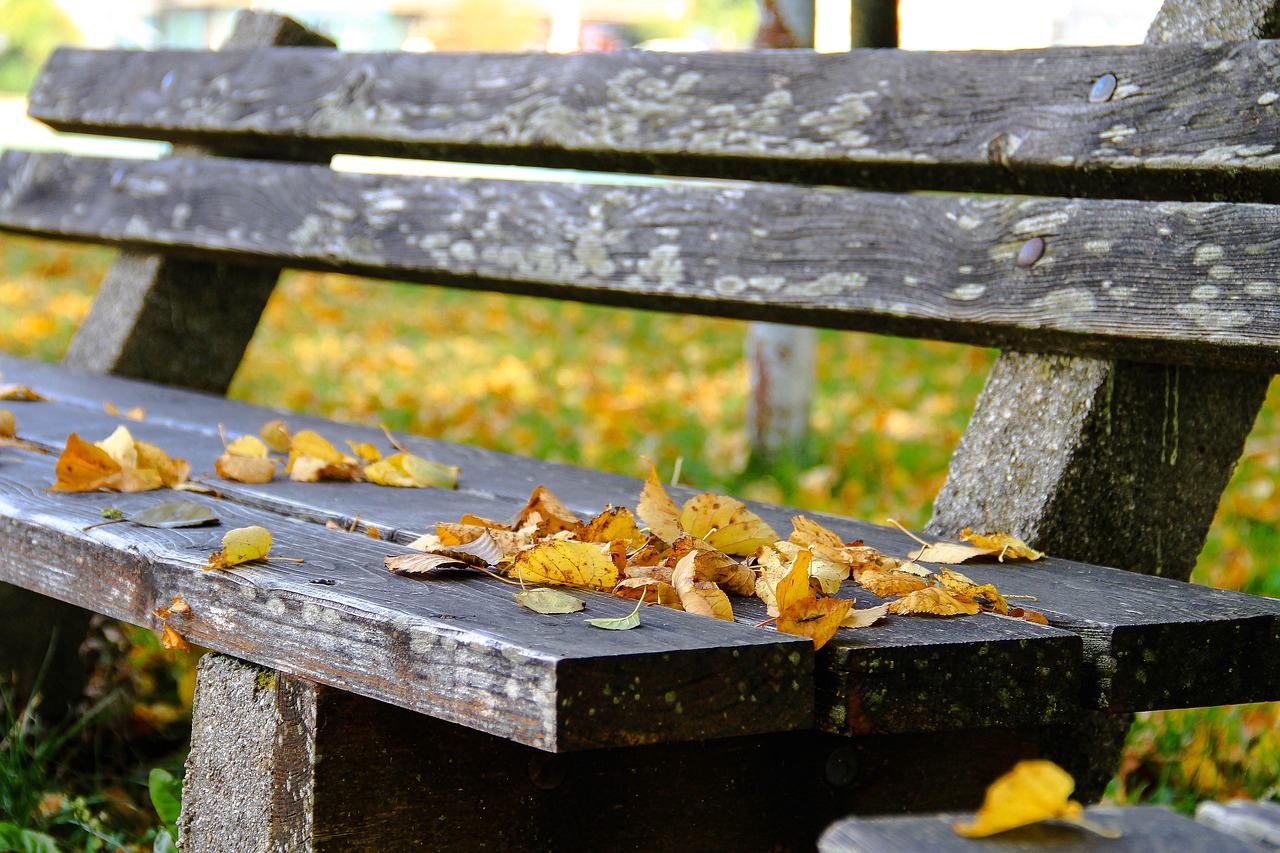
{"x": 1147, "y": 642}
{"x": 865, "y": 687}
{"x": 1184, "y": 121}
{"x": 1190, "y": 283}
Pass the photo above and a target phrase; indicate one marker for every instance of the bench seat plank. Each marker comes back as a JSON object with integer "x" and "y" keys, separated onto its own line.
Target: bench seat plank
{"x": 1182, "y": 121}
{"x": 1171, "y": 282}
{"x": 867, "y": 681}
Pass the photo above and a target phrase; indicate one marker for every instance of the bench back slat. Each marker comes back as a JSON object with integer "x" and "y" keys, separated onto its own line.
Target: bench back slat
{"x": 1170, "y": 282}
{"x": 1181, "y": 122}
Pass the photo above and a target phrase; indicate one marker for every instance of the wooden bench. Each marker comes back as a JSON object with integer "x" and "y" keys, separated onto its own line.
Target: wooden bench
{"x": 1120, "y": 250}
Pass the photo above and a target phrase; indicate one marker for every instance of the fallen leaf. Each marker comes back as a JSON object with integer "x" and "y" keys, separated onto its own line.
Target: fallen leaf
{"x": 421, "y": 564}
{"x": 615, "y": 523}
{"x": 865, "y": 617}
{"x": 120, "y": 447}
{"x": 313, "y": 469}
{"x": 657, "y": 510}
{"x": 714, "y": 566}
{"x": 20, "y": 393}
{"x": 1028, "y": 615}
{"x": 247, "y": 445}
{"x": 85, "y": 467}
{"x": 648, "y": 588}
{"x": 547, "y": 514}
{"x": 1032, "y": 791}
{"x": 173, "y": 472}
{"x": 276, "y": 435}
{"x": 366, "y": 451}
{"x": 949, "y": 553}
{"x": 8, "y": 426}
{"x": 241, "y": 546}
{"x": 565, "y": 563}
{"x": 175, "y": 514}
{"x": 827, "y": 572}
{"x": 701, "y": 597}
{"x": 933, "y": 601}
{"x": 1002, "y": 545}
{"x": 549, "y": 601}
{"x": 815, "y": 618}
{"x": 889, "y": 584}
{"x": 171, "y": 639}
{"x": 245, "y": 469}
{"x": 177, "y": 605}
{"x": 619, "y": 623}
{"x": 406, "y": 470}
{"x": 725, "y": 524}
{"x": 961, "y": 585}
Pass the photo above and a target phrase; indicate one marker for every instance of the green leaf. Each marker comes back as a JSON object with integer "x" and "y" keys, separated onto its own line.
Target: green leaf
{"x": 543, "y": 600}
{"x": 166, "y": 794}
{"x": 165, "y": 842}
{"x": 175, "y": 514}
{"x": 19, "y": 840}
{"x": 619, "y": 623}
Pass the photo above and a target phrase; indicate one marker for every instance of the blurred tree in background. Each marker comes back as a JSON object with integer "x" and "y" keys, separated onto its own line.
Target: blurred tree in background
{"x": 29, "y": 31}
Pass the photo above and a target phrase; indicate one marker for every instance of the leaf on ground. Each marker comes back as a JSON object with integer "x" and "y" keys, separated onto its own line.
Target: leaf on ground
{"x": 276, "y": 435}
{"x": 949, "y": 553}
{"x": 1004, "y": 546}
{"x": 21, "y": 394}
{"x": 865, "y": 617}
{"x": 175, "y": 514}
{"x": 815, "y": 618}
{"x": 247, "y": 445}
{"x": 565, "y": 563}
{"x": 657, "y": 510}
{"x": 701, "y": 597}
{"x": 715, "y": 566}
{"x": 241, "y": 546}
{"x": 933, "y": 601}
{"x": 1028, "y": 615}
{"x": 406, "y": 470}
{"x": 725, "y": 524}
{"x": 615, "y": 523}
{"x": 619, "y": 623}
{"x": 549, "y": 601}
{"x": 421, "y": 564}
{"x": 245, "y": 469}
{"x": 546, "y": 514}
{"x": 1032, "y": 791}
{"x": 889, "y": 584}
{"x": 85, "y": 467}
{"x": 651, "y": 589}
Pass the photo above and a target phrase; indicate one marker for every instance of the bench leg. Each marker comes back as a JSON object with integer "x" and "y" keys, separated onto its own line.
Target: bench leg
{"x": 279, "y": 763}
{"x": 40, "y": 641}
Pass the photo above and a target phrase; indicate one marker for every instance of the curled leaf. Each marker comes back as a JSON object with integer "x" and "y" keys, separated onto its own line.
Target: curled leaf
{"x": 657, "y": 510}
{"x": 549, "y": 601}
{"x": 866, "y": 617}
{"x": 619, "y": 623}
{"x": 85, "y": 467}
{"x": 240, "y": 546}
{"x": 406, "y": 470}
{"x": 701, "y": 597}
{"x": 276, "y": 435}
{"x": 172, "y": 640}
{"x": 1002, "y": 545}
{"x": 934, "y": 601}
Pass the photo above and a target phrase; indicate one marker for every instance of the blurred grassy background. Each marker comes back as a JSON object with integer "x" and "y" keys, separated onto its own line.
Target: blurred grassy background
{"x": 602, "y": 387}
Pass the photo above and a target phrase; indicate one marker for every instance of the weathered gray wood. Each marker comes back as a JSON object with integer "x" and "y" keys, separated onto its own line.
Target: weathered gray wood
{"x": 155, "y": 318}
{"x": 1107, "y": 461}
{"x": 1143, "y": 829}
{"x": 1185, "y": 121}
{"x": 249, "y": 782}
{"x": 921, "y": 265}
{"x": 1256, "y": 822}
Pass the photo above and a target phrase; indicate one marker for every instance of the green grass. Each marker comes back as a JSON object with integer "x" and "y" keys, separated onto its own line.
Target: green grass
{"x": 603, "y": 387}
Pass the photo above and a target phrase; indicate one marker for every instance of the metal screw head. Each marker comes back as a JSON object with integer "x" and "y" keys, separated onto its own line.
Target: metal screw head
{"x": 1103, "y": 88}
{"x": 1031, "y": 251}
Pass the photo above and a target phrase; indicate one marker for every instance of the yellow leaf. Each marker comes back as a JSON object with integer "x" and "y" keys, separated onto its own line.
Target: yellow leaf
{"x": 546, "y": 514}
{"x": 566, "y": 563}
{"x": 421, "y": 564}
{"x": 276, "y": 435}
{"x": 240, "y": 546}
{"x": 1028, "y": 615}
{"x": 430, "y": 473}
{"x": 615, "y": 523}
{"x": 657, "y": 510}
{"x": 119, "y": 446}
{"x": 85, "y": 467}
{"x": 866, "y": 617}
{"x": 308, "y": 444}
{"x": 408, "y": 471}
{"x": 701, "y": 597}
{"x": 715, "y": 566}
{"x": 827, "y": 572}
{"x": 648, "y": 588}
{"x": 888, "y": 584}
{"x": 961, "y": 585}
{"x": 313, "y": 469}
{"x": 725, "y": 524}
{"x": 247, "y": 445}
{"x": 367, "y": 452}
{"x": 1031, "y": 792}
{"x": 949, "y": 553}
{"x": 172, "y": 471}
{"x": 794, "y": 588}
{"x": 815, "y": 618}
{"x": 933, "y": 601}
{"x": 8, "y": 426}
{"x": 137, "y": 413}
{"x": 172, "y": 640}
{"x": 1004, "y": 546}
{"x": 245, "y": 469}
{"x": 20, "y": 393}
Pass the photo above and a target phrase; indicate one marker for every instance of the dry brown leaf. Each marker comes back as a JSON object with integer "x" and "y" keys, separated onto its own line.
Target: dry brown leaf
{"x": 889, "y": 584}
{"x": 1002, "y": 545}
{"x": 509, "y": 541}
{"x": 961, "y": 585}
{"x": 565, "y": 563}
{"x": 828, "y": 573}
{"x": 546, "y": 514}
{"x": 421, "y": 564}
{"x": 1032, "y": 791}
{"x": 701, "y": 597}
{"x": 313, "y": 469}
{"x": 657, "y": 510}
{"x": 85, "y": 467}
{"x": 933, "y": 601}
{"x": 647, "y": 589}
{"x": 815, "y": 618}
{"x": 1028, "y": 615}
{"x": 176, "y": 605}
{"x": 172, "y": 640}
{"x": 173, "y": 472}
{"x": 714, "y": 566}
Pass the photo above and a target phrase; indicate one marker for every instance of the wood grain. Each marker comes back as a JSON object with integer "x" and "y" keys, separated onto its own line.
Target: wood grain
{"x": 1184, "y": 121}
{"x": 1163, "y": 282}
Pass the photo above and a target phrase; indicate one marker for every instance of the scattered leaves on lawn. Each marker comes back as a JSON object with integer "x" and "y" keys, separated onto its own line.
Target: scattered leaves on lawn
{"x": 241, "y": 545}
{"x": 1031, "y": 792}
{"x": 549, "y": 601}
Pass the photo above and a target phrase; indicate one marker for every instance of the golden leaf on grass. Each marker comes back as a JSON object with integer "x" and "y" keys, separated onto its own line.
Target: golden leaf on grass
{"x": 1002, "y": 545}
{"x": 615, "y": 523}
{"x": 725, "y": 524}
{"x": 888, "y": 584}
{"x": 549, "y": 601}
{"x": 566, "y": 563}
{"x": 657, "y": 510}
{"x": 276, "y": 435}
{"x": 1032, "y": 791}
{"x": 933, "y": 601}
{"x": 20, "y": 393}
{"x": 240, "y": 546}
{"x": 701, "y": 597}
{"x": 865, "y": 617}
{"x": 85, "y": 467}
{"x": 407, "y": 470}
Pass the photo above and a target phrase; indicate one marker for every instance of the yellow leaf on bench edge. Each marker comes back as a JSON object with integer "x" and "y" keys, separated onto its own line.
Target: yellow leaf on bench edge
{"x": 85, "y": 467}
{"x": 657, "y": 509}
{"x": 1031, "y": 792}
{"x": 566, "y": 563}
{"x": 406, "y": 470}
{"x": 8, "y": 426}
{"x": 245, "y": 469}
{"x": 240, "y": 546}
{"x": 701, "y": 597}
{"x": 247, "y": 445}
{"x": 1002, "y": 545}
{"x": 726, "y": 524}
{"x": 933, "y": 601}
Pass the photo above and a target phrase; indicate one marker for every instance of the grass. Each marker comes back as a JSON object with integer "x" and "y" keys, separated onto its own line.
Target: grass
{"x": 603, "y": 387}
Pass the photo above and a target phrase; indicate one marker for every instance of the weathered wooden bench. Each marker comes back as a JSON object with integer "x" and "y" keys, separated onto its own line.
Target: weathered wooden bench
{"x": 1117, "y": 244}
